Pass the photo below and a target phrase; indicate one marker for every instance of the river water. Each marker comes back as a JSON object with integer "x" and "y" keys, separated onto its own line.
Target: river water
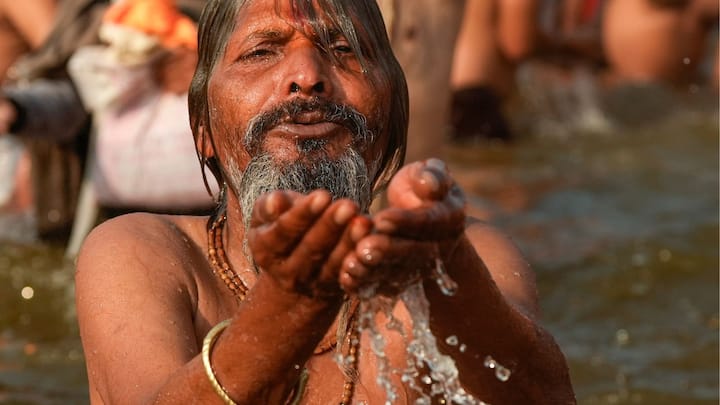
{"x": 616, "y": 207}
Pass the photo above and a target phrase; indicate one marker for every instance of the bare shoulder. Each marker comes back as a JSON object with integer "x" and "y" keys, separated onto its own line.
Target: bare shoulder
{"x": 141, "y": 253}
{"x": 506, "y": 264}
{"x": 136, "y": 277}
{"x": 145, "y": 240}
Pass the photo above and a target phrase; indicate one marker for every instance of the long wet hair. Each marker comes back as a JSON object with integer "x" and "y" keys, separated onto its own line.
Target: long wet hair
{"x": 359, "y": 21}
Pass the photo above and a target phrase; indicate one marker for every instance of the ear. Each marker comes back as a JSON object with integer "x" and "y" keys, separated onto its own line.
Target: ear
{"x": 203, "y": 143}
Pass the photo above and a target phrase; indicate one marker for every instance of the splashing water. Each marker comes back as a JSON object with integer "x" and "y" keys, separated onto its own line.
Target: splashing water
{"x": 425, "y": 365}
{"x": 501, "y": 373}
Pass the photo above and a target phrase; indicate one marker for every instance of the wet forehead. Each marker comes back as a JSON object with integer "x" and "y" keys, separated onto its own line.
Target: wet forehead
{"x": 274, "y": 19}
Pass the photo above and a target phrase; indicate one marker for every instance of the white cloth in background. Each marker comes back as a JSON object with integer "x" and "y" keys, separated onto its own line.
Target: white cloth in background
{"x": 10, "y": 151}
{"x": 144, "y": 153}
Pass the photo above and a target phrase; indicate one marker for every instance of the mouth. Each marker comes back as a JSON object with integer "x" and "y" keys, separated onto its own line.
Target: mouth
{"x": 293, "y": 124}
{"x": 308, "y": 125}
{"x": 321, "y": 129}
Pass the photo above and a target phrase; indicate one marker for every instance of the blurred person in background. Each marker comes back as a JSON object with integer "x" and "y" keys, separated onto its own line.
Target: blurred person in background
{"x": 658, "y": 40}
{"x": 615, "y": 41}
{"x": 24, "y": 25}
{"x": 44, "y": 109}
{"x": 423, "y": 35}
{"x": 494, "y": 37}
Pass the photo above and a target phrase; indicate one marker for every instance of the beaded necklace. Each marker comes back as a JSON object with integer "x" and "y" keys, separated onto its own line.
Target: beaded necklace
{"x": 221, "y": 266}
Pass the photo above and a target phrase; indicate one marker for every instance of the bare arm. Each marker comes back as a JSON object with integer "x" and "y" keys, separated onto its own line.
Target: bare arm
{"x": 517, "y": 28}
{"x": 144, "y": 304}
{"x": 494, "y": 309}
{"x": 33, "y": 19}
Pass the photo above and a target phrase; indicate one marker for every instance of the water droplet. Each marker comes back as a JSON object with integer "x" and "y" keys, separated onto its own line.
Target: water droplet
{"x": 462, "y": 348}
{"x": 622, "y": 337}
{"x": 686, "y": 60}
{"x": 639, "y": 259}
{"x": 443, "y": 280}
{"x": 665, "y": 255}
{"x": 297, "y": 366}
{"x": 27, "y": 292}
{"x": 452, "y": 340}
{"x": 440, "y": 373}
{"x": 502, "y": 374}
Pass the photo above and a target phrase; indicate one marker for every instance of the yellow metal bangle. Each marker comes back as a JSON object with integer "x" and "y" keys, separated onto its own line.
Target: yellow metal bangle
{"x": 210, "y": 338}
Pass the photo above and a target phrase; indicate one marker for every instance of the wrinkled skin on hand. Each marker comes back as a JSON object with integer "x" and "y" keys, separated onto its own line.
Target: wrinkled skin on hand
{"x": 315, "y": 247}
{"x": 425, "y": 217}
{"x": 300, "y": 241}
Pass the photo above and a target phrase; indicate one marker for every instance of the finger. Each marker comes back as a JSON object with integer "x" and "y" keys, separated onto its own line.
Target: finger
{"x": 269, "y": 206}
{"x": 380, "y": 250}
{"x": 352, "y": 274}
{"x": 433, "y": 181}
{"x": 435, "y": 222}
{"x": 317, "y": 244}
{"x": 388, "y": 264}
{"x": 358, "y": 228}
{"x": 419, "y": 182}
{"x": 276, "y": 239}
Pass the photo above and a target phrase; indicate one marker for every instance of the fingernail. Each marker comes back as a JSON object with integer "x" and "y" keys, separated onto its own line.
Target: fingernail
{"x": 272, "y": 204}
{"x": 370, "y": 255}
{"x": 359, "y": 228}
{"x": 319, "y": 202}
{"x": 343, "y": 214}
{"x": 435, "y": 163}
{"x": 428, "y": 178}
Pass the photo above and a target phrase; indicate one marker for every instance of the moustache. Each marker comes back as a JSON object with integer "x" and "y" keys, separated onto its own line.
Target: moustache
{"x": 292, "y": 111}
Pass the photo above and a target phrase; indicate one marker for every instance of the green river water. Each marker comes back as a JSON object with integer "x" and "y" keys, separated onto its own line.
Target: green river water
{"x": 621, "y": 225}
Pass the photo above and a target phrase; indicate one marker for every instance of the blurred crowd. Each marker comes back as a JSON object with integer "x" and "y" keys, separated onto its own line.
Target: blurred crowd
{"x": 93, "y": 104}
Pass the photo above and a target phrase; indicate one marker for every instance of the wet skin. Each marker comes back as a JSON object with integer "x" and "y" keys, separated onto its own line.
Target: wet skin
{"x": 144, "y": 310}
{"x": 272, "y": 59}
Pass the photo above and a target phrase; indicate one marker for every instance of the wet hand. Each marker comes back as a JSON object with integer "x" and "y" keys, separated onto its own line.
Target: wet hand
{"x": 425, "y": 218}
{"x": 300, "y": 240}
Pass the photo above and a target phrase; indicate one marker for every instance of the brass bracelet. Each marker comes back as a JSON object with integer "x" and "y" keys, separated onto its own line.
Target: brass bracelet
{"x": 210, "y": 338}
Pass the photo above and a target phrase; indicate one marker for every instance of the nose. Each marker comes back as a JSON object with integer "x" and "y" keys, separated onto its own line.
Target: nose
{"x": 307, "y": 73}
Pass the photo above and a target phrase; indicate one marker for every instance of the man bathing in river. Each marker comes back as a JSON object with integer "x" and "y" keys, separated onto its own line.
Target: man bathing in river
{"x": 299, "y": 109}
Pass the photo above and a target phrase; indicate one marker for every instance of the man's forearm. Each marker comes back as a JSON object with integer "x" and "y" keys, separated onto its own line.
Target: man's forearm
{"x": 490, "y": 327}
{"x": 262, "y": 363}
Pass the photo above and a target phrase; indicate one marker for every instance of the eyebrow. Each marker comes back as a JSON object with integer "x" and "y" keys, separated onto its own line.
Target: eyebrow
{"x": 267, "y": 34}
{"x": 334, "y": 33}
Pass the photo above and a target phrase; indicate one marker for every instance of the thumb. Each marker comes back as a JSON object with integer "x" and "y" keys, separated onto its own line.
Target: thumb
{"x": 419, "y": 182}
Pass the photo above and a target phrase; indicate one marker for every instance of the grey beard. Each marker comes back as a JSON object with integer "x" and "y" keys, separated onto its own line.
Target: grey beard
{"x": 344, "y": 177}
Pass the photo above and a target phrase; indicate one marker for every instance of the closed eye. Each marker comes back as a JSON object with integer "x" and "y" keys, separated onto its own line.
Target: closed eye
{"x": 342, "y": 48}
{"x": 257, "y": 53}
